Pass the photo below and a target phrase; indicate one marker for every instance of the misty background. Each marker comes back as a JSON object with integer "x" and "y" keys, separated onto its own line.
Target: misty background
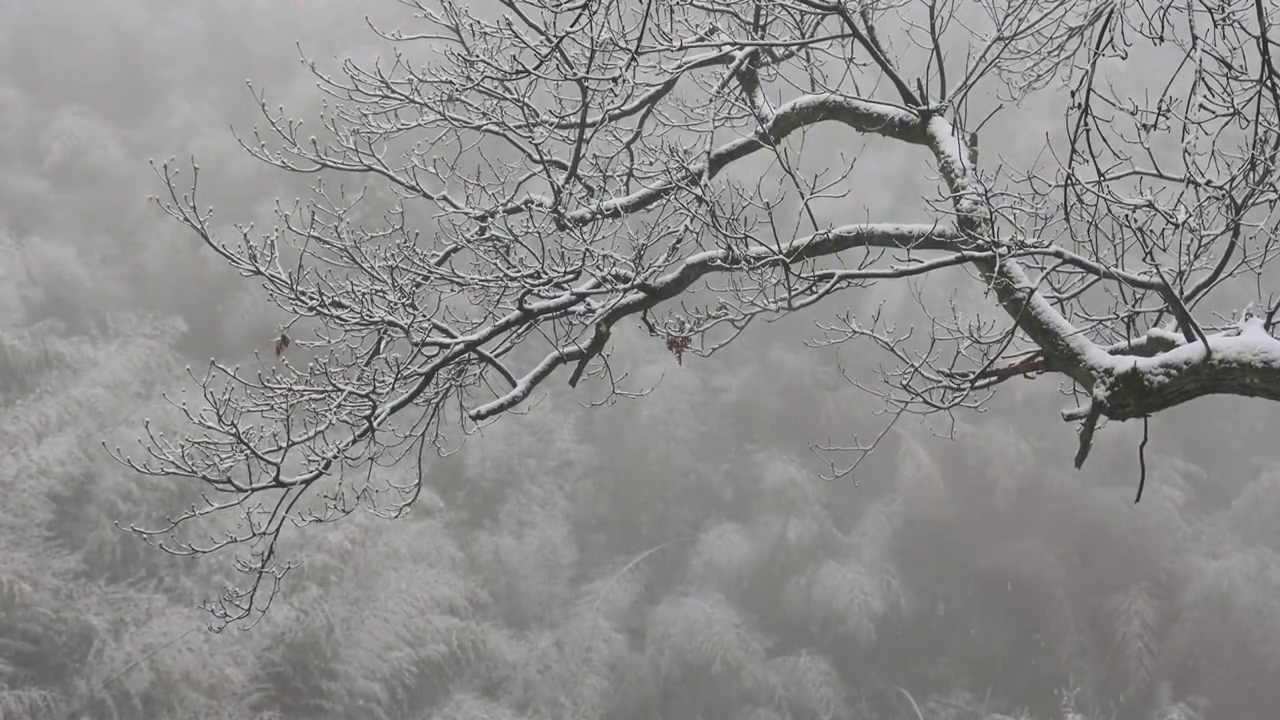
{"x": 677, "y": 556}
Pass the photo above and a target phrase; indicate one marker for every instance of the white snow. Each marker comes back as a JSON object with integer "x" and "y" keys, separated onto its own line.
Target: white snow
{"x": 1249, "y": 346}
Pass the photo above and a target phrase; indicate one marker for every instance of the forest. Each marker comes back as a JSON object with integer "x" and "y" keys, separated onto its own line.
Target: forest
{"x": 685, "y": 554}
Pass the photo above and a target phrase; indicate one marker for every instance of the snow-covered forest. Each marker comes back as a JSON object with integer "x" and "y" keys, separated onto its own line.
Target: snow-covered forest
{"x": 678, "y": 555}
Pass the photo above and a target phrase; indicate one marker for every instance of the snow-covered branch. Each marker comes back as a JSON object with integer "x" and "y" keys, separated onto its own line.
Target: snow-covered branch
{"x": 500, "y": 209}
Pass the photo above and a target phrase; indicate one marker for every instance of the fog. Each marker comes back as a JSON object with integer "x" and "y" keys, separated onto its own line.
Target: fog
{"x": 678, "y": 555}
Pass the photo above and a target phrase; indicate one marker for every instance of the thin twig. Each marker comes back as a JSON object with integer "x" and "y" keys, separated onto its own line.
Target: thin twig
{"x": 1142, "y": 462}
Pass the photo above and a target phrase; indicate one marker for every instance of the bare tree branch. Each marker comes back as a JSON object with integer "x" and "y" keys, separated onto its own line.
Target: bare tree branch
{"x": 562, "y": 171}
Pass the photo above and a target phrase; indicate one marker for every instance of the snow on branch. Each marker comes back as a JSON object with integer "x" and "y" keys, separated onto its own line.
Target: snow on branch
{"x": 500, "y": 198}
